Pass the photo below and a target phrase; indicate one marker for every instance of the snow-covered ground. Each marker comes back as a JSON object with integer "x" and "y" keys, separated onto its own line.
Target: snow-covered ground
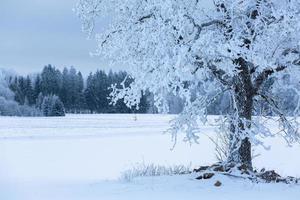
{"x": 82, "y": 157}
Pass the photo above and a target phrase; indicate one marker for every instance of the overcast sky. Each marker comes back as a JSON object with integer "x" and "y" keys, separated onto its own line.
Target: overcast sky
{"x": 34, "y": 33}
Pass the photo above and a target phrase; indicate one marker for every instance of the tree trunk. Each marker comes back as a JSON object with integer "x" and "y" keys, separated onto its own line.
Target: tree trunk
{"x": 240, "y": 146}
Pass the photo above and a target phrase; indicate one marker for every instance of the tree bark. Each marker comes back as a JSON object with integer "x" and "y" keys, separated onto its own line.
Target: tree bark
{"x": 240, "y": 145}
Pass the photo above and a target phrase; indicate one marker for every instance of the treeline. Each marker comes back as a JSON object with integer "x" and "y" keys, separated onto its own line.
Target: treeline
{"x": 8, "y": 106}
{"x": 55, "y": 92}
{"x": 98, "y": 90}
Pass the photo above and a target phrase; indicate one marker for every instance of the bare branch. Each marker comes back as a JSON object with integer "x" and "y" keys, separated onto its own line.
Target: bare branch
{"x": 265, "y": 74}
{"x": 287, "y": 125}
{"x": 200, "y": 27}
{"x": 140, "y": 20}
{"x": 109, "y": 36}
{"x": 220, "y": 74}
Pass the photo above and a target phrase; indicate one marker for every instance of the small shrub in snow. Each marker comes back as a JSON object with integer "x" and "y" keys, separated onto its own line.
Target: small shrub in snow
{"x": 142, "y": 170}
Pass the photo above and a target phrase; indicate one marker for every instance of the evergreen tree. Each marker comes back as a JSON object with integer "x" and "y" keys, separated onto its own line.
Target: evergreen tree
{"x": 64, "y": 93}
{"x": 20, "y": 96}
{"x": 46, "y": 106}
{"x": 52, "y": 106}
{"x": 14, "y": 87}
{"x": 39, "y": 101}
{"x": 57, "y": 108}
{"x": 89, "y": 93}
{"x": 72, "y": 89}
{"x": 80, "y": 100}
{"x": 29, "y": 92}
{"x": 37, "y": 86}
{"x": 102, "y": 93}
{"x": 51, "y": 80}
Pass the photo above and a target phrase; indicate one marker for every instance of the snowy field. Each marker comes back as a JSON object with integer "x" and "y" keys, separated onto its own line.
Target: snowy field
{"x": 81, "y": 157}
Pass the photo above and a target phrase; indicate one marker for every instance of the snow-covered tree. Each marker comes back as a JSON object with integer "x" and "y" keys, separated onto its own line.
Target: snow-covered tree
{"x": 232, "y": 46}
{"x": 39, "y": 101}
{"x": 52, "y": 106}
{"x": 57, "y": 108}
{"x": 5, "y": 91}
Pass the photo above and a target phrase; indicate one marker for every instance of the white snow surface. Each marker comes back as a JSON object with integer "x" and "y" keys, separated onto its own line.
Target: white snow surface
{"x": 81, "y": 157}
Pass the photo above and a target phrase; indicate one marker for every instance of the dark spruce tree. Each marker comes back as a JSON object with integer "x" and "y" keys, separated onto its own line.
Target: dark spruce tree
{"x": 64, "y": 92}
{"x": 71, "y": 92}
{"x": 89, "y": 93}
{"x": 52, "y": 106}
{"x": 51, "y": 80}
{"x": 57, "y": 107}
{"x": 46, "y": 105}
{"x": 29, "y": 92}
{"x": 20, "y": 97}
{"x": 80, "y": 100}
{"x": 37, "y": 87}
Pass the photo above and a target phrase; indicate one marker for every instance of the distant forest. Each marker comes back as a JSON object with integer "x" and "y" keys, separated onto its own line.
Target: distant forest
{"x": 54, "y": 92}
{"x": 72, "y": 93}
